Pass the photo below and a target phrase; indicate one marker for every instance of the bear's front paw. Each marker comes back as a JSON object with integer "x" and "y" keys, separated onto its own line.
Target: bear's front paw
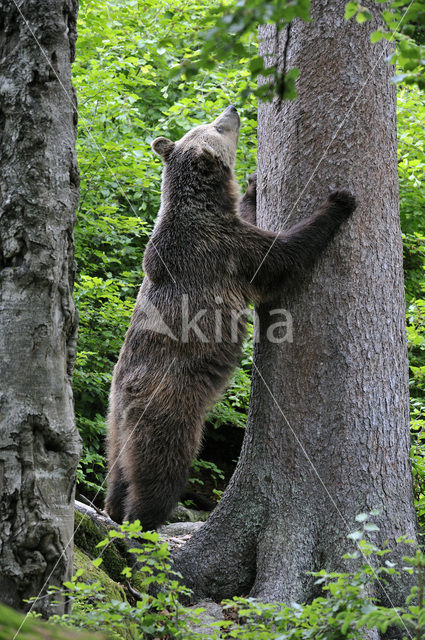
{"x": 344, "y": 201}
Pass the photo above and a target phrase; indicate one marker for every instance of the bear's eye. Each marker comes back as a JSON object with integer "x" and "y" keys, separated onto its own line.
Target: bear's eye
{"x": 219, "y": 129}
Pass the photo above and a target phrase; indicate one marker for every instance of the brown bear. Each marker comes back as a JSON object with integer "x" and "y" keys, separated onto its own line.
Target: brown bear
{"x": 188, "y": 324}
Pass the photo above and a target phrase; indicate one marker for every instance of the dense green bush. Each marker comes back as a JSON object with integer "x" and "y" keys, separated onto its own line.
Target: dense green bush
{"x": 411, "y": 164}
{"x": 151, "y": 616}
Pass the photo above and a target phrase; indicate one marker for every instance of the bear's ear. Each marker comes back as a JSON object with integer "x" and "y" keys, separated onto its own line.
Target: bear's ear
{"x": 163, "y": 147}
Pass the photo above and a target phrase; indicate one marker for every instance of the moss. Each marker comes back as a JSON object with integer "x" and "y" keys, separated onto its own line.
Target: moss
{"x": 88, "y": 535}
{"x": 113, "y": 591}
{"x": 137, "y": 581}
{"x": 34, "y": 629}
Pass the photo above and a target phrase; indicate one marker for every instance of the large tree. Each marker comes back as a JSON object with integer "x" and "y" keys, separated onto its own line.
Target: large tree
{"x": 39, "y": 444}
{"x": 328, "y": 428}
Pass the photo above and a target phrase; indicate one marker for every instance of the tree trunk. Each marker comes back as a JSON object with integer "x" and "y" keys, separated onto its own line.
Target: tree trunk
{"x": 328, "y": 427}
{"x": 39, "y": 443}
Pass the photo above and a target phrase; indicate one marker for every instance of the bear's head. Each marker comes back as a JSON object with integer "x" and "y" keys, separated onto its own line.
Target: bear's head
{"x": 216, "y": 141}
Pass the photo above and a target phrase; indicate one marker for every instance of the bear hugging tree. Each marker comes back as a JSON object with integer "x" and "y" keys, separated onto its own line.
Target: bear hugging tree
{"x": 204, "y": 264}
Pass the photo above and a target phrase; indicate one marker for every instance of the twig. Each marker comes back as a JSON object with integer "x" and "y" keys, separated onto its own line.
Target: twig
{"x": 93, "y": 506}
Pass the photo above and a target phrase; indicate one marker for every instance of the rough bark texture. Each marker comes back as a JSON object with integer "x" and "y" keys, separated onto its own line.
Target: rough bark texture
{"x": 39, "y": 443}
{"x": 328, "y": 429}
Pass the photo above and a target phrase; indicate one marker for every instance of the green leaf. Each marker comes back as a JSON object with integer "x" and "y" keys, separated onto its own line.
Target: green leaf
{"x": 363, "y": 16}
{"x": 351, "y": 9}
{"x": 356, "y": 535}
{"x": 369, "y": 526}
{"x": 376, "y": 36}
{"x": 362, "y": 517}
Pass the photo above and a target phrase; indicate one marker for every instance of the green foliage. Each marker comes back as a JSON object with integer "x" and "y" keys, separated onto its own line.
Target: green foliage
{"x": 357, "y": 10}
{"x": 214, "y": 472}
{"x": 227, "y": 31}
{"x": 151, "y": 616}
{"x": 404, "y": 24}
{"x": 408, "y": 19}
{"x": 411, "y": 165}
{"x": 344, "y": 609}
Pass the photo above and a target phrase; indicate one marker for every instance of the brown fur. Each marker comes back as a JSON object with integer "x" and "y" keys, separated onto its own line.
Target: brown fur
{"x": 202, "y": 248}
{"x": 248, "y": 204}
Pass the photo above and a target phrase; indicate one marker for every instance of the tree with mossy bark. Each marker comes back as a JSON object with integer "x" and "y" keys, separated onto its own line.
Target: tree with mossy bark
{"x": 328, "y": 427}
{"x": 39, "y": 443}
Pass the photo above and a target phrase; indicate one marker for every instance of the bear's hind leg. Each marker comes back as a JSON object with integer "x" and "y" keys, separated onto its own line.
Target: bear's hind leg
{"x": 157, "y": 466}
{"x": 154, "y": 506}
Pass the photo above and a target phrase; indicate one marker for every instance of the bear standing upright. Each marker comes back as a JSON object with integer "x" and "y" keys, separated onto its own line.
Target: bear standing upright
{"x": 202, "y": 269}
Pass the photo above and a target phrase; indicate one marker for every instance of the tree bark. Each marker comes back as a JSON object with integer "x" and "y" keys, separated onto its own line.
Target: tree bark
{"x": 328, "y": 427}
{"x": 39, "y": 443}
